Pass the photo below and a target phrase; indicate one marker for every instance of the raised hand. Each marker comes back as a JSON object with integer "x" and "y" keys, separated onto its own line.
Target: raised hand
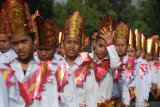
{"x": 107, "y": 35}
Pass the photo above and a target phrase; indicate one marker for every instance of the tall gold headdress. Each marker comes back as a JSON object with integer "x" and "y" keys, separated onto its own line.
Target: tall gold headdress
{"x": 143, "y": 42}
{"x": 155, "y": 38}
{"x": 46, "y": 31}
{"x": 3, "y": 22}
{"x": 131, "y": 39}
{"x": 107, "y": 22}
{"x": 74, "y": 26}
{"x": 138, "y": 39}
{"x": 156, "y": 49}
{"x": 17, "y": 16}
{"x": 122, "y": 31}
{"x": 150, "y": 46}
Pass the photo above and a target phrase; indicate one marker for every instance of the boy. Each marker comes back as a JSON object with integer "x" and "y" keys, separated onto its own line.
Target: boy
{"x": 141, "y": 71}
{"x": 77, "y": 86}
{"x": 47, "y": 39}
{"x": 121, "y": 79}
{"x": 6, "y": 54}
{"x": 106, "y": 61}
{"x": 36, "y": 92}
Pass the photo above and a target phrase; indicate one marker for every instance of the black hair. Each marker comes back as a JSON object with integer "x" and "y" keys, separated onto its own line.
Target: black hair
{"x": 98, "y": 38}
{"x": 94, "y": 31}
{"x": 32, "y": 35}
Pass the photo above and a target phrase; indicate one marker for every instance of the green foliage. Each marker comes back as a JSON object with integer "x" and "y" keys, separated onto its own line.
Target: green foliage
{"x": 44, "y": 6}
{"x": 144, "y": 17}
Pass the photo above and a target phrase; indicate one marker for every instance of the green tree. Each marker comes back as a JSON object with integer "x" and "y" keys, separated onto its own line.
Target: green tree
{"x": 45, "y": 7}
{"x": 92, "y": 11}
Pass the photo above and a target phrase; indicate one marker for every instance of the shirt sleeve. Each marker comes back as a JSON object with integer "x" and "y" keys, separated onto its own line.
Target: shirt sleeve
{"x": 3, "y": 93}
{"x": 113, "y": 56}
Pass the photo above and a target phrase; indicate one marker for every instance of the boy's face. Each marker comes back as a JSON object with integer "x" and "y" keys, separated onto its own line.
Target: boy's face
{"x": 100, "y": 48}
{"x": 72, "y": 46}
{"x": 46, "y": 53}
{"x": 156, "y": 59}
{"x": 4, "y": 43}
{"x": 22, "y": 45}
{"x": 121, "y": 46}
{"x": 149, "y": 57}
{"x": 138, "y": 53}
{"x": 143, "y": 54}
{"x": 131, "y": 51}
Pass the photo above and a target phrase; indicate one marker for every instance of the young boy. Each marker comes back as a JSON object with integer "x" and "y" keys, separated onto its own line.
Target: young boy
{"x": 141, "y": 71}
{"x": 6, "y": 54}
{"x": 10, "y": 91}
{"x": 155, "y": 68}
{"x": 47, "y": 39}
{"x": 106, "y": 61}
{"x": 121, "y": 78}
{"x": 77, "y": 86}
{"x": 34, "y": 79}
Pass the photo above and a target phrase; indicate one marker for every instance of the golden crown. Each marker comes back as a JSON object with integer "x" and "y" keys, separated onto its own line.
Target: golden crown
{"x": 122, "y": 31}
{"x": 74, "y": 26}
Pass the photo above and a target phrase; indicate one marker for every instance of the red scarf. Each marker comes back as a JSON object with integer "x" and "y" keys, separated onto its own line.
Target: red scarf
{"x": 101, "y": 69}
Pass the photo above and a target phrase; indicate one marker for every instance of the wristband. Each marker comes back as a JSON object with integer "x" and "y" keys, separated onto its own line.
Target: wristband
{"x": 109, "y": 43}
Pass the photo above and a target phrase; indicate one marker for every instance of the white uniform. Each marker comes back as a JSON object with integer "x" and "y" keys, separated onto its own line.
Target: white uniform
{"x": 73, "y": 95}
{"x": 121, "y": 88}
{"x": 7, "y": 56}
{"x": 104, "y": 86}
{"x": 154, "y": 73}
{"x": 14, "y": 98}
{"x": 141, "y": 87}
{"x": 48, "y": 95}
{"x": 3, "y": 93}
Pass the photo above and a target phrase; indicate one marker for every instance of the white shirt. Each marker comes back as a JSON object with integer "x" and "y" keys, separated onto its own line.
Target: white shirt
{"x": 104, "y": 86}
{"x": 7, "y": 56}
{"x": 49, "y": 94}
{"x": 3, "y": 93}
{"x": 73, "y": 95}
{"x": 14, "y": 98}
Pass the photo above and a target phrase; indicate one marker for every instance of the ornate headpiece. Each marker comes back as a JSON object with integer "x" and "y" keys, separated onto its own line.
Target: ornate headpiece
{"x": 46, "y": 31}
{"x": 150, "y": 46}
{"x": 155, "y": 38}
{"x": 3, "y": 22}
{"x": 138, "y": 39}
{"x": 74, "y": 26}
{"x": 17, "y": 17}
{"x": 107, "y": 22}
{"x": 131, "y": 39}
{"x": 156, "y": 49}
{"x": 122, "y": 31}
{"x": 143, "y": 42}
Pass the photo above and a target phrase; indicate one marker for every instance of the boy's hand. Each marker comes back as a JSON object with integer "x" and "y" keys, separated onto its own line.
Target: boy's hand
{"x": 107, "y": 35}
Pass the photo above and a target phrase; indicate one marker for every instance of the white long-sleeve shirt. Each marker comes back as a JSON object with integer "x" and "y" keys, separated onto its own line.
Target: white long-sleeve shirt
{"x": 49, "y": 97}
{"x": 3, "y": 93}
{"x": 8, "y": 56}
{"x": 141, "y": 87}
{"x": 73, "y": 95}
{"x": 104, "y": 86}
{"x": 121, "y": 88}
{"x": 14, "y": 98}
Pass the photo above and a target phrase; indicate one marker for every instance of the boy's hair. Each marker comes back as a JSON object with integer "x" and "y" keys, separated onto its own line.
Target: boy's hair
{"x": 98, "y": 38}
{"x": 32, "y": 35}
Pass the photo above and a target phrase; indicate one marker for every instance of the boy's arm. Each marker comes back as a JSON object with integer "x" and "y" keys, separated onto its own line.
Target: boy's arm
{"x": 113, "y": 57}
